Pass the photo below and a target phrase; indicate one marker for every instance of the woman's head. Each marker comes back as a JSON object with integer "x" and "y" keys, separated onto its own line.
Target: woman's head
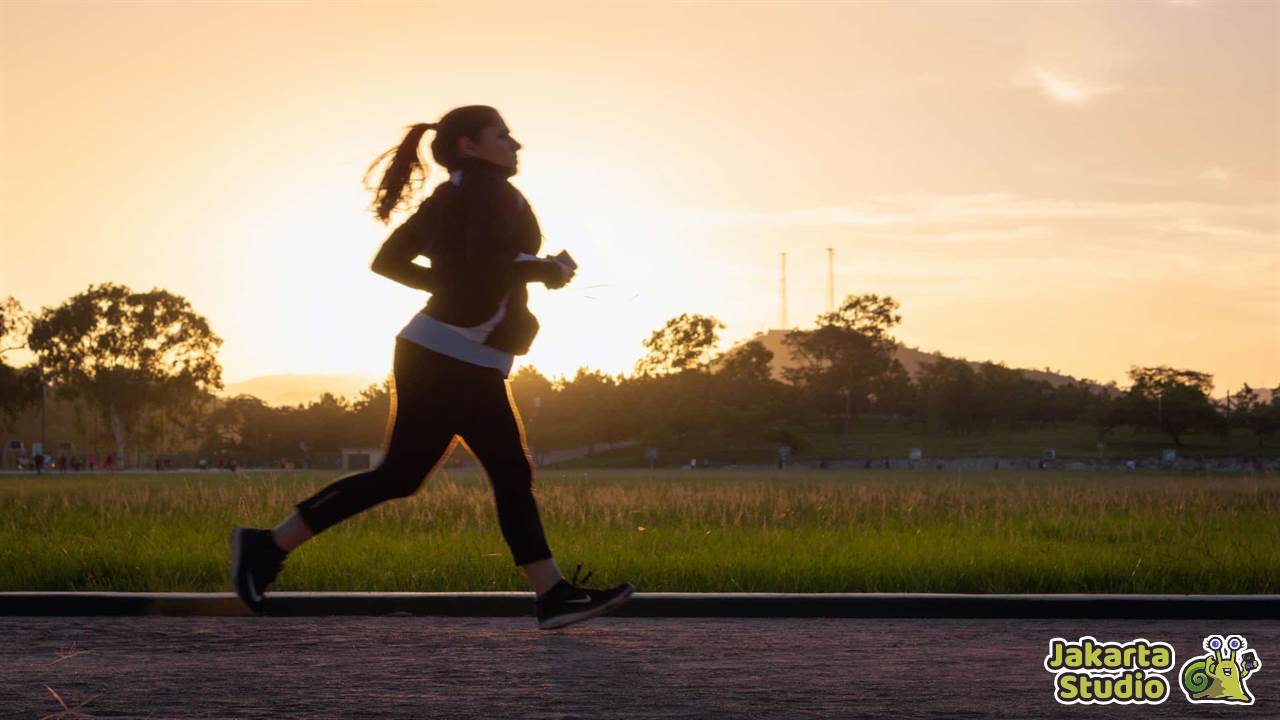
{"x": 469, "y": 131}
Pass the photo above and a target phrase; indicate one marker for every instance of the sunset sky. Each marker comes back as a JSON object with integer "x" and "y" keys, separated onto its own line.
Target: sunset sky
{"x": 1083, "y": 186}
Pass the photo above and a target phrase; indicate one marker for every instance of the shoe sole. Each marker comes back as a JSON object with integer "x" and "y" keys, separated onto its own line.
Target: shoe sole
{"x": 562, "y": 620}
{"x": 236, "y": 556}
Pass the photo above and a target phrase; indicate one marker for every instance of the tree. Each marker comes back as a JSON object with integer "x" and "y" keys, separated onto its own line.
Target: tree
{"x": 895, "y": 392}
{"x": 684, "y": 343}
{"x": 125, "y": 351}
{"x": 15, "y": 326}
{"x": 868, "y": 315}
{"x": 849, "y": 357}
{"x": 19, "y": 387}
{"x": 238, "y": 425}
{"x": 1007, "y": 395}
{"x": 1108, "y": 414}
{"x": 585, "y": 407}
{"x": 326, "y": 424}
{"x": 371, "y": 415}
{"x": 1248, "y": 411}
{"x": 1174, "y": 401}
{"x": 949, "y": 391}
{"x": 747, "y": 364}
{"x": 530, "y": 389}
{"x": 750, "y": 399}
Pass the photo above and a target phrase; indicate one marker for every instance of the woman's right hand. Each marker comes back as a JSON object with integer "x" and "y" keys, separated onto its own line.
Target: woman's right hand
{"x": 566, "y": 274}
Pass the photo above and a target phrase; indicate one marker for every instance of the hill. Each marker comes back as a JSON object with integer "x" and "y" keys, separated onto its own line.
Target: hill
{"x": 301, "y": 389}
{"x": 912, "y": 359}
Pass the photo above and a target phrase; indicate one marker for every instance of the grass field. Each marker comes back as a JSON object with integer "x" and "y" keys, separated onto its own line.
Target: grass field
{"x": 879, "y": 439}
{"x": 857, "y": 531}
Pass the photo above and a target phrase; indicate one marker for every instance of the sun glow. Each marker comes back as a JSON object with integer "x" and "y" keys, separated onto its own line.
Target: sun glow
{"x": 1115, "y": 203}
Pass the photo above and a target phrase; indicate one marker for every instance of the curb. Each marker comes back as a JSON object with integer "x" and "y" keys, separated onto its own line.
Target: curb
{"x": 671, "y": 605}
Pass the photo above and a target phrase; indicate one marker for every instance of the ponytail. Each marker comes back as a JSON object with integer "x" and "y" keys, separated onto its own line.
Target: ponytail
{"x": 406, "y": 169}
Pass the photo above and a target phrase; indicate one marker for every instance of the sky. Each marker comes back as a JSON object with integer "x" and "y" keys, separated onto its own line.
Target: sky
{"x": 1078, "y": 186}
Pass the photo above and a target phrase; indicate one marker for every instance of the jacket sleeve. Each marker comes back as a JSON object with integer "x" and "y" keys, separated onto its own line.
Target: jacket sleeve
{"x": 395, "y": 258}
{"x": 490, "y": 218}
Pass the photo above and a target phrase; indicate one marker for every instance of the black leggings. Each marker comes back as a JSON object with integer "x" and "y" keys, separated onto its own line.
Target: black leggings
{"x": 436, "y": 397}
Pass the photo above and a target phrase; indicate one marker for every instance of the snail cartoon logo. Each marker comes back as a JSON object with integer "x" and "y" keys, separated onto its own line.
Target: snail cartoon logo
{"x": 1219, "y": 676}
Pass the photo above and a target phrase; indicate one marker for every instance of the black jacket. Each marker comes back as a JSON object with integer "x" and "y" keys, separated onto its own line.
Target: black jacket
{"x": 472, "y": 233}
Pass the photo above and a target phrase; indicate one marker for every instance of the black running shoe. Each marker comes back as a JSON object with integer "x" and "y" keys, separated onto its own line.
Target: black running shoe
{"x": 255, "y": 562}
{"x": 567, "y": 603}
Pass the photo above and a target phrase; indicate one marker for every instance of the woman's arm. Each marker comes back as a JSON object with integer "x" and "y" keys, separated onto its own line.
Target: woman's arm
{"x": 490, "y": 220}
{"x": 395, "y": 258}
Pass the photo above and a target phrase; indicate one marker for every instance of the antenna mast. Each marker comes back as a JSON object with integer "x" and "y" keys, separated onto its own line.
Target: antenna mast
{"x": 831, "y": 281}
{"x": 783, "y": 307}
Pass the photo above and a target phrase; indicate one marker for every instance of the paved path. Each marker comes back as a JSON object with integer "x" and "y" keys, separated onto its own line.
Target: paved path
{"x": 620, "y": 667}
{"x": 664, "y": 605}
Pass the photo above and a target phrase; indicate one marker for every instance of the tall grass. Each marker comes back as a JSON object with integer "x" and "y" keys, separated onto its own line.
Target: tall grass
{"x": 857, "y": 531}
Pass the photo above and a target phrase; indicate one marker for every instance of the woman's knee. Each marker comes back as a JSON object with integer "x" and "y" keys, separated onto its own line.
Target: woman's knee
{"x": 397, "y": 480}
{"x": 512, "y": 476}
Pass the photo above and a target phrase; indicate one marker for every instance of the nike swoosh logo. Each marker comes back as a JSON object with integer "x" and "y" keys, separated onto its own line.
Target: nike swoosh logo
{"x": 580, "y": 600}
{"x": 253, "y": 592}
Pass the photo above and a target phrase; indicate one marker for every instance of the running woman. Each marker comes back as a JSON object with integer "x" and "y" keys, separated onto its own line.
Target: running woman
{"x": 451, "y": 360}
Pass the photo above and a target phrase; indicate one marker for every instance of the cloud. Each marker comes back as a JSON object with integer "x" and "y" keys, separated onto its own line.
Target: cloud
{"x": 1062, "y": 89}
{"x": 989, "y": 221}
{"x": 1198, "y": 228}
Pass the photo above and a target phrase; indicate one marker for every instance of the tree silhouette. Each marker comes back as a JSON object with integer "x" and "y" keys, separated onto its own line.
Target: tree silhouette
{"x": 684, "y": 343}
{"x": 19, "y": 387}
{"x": 1172, "y": 400}
{"x": 125, "y": 351}
{"x": 849, "y": 357}
{"x": 868, "y": 315}
{"x": 747, "y": 364}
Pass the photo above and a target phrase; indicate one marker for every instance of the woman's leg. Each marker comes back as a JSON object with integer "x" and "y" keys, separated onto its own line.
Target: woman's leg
{"x": 421, "y": 426}
{"x": 494, "y": 432}
{"x": 291, "y": 532}
{"x": 542, "y": 575}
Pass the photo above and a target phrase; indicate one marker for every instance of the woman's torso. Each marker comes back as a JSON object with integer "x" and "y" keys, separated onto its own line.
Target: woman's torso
{"x": 472, "y": 315}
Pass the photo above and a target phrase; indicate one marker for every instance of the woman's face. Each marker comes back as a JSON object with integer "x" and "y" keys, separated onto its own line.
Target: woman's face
{"x": 495, "y": 145}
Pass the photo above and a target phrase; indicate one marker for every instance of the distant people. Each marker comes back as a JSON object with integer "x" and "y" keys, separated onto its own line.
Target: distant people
{"x": 62, "y": 462}
{"x": 38, "y": 460}
{"x": 92, "y": 459}
{"x": 452, "y": 360}
{"x": 110, "y": 463}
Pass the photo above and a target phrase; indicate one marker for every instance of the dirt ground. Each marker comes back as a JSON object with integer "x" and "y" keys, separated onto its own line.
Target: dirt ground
{"x": 428, "y": 667}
